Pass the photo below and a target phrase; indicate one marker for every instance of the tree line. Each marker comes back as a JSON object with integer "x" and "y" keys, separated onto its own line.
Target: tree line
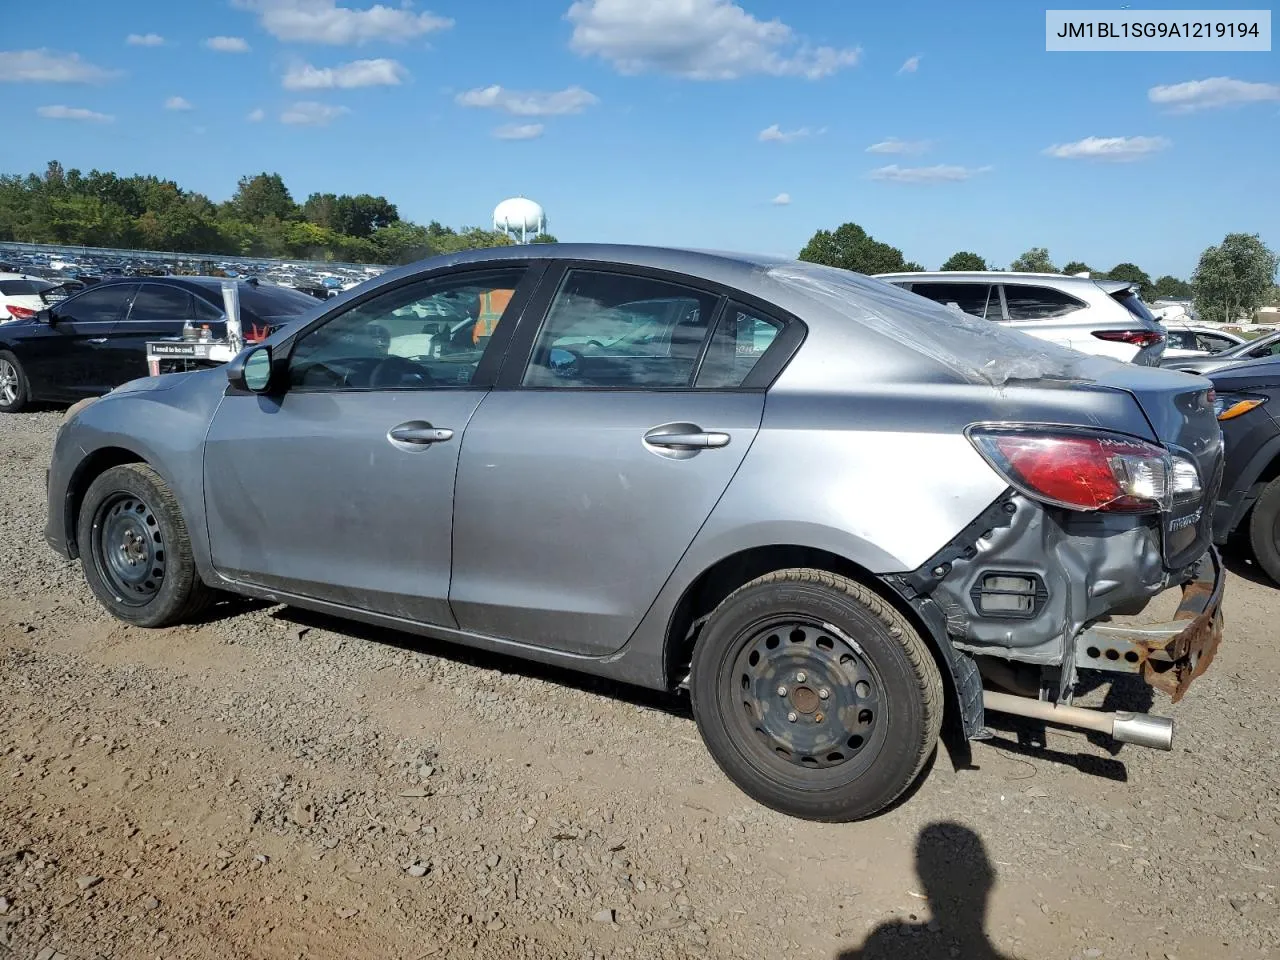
{"x": 1231, "y": 280}
{"x": 261, "y": 219}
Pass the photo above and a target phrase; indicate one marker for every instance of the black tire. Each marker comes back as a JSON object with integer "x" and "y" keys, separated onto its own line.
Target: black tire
{"x": 15, "y": 390}
{"x": 1264, "y": 530}
{"x": 135, "y": 551}
{"x": 841, "y": 748}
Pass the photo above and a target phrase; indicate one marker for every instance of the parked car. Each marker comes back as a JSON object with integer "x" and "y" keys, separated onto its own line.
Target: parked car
{"x": 1249, "y": 502}
{"x": 1105, "y": 317}
{"x": 89, "y": 343}
{"x": 1196, "y": 341}
{"x": 751, "y": 508}
{"x": 20, "y": 296}
{"x": 1265, "y": 346}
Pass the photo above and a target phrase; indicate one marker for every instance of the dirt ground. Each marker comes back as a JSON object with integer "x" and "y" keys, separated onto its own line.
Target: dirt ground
{"x": 273, "y": 784}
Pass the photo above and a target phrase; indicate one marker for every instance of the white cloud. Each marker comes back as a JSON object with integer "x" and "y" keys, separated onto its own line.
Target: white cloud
{"x": 357, "y": 73}
{"x": 144, "y": 40}
{"x": 47, "y": 66}
{"x": 940, "y": 173}
{"x": 256, "y": 116}
{"x": 697, "y": 39}
{"x": 324, "y": 21}
{"x": 781, "y": 200}
{"x": 910, "y": 65}
{"x": 1116, "y": 149}
{"x": 775, "y": 134}
{"x": 308, "y": 113}
{"x": 60, "y": 112}
{"x": 894, "y": 145}
{"x": 1211, "y": 93}
{"x": 529, "y": 103}
{"x": 227, "y": 44}
{"x": 519, "y": 131}
{"x": 177, "y": 103}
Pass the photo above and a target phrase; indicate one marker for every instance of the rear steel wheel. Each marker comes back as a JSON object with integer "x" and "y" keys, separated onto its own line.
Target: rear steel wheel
{"x": 815, "y": 696}
{"x": 808, "y": 698}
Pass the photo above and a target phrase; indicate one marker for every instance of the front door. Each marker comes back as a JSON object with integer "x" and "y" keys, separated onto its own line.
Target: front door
{"x": 158, "y": 312}
{"x": 340, "y": 487}
{"x": 70, "y": 357}
{"x": 582, "y": 484}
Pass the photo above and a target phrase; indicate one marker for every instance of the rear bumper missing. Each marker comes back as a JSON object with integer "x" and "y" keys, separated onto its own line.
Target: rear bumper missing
{"x": 1168, "y": 655}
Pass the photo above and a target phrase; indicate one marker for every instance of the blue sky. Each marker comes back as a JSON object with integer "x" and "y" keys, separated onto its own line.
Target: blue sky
{"x": 678, "y": 122}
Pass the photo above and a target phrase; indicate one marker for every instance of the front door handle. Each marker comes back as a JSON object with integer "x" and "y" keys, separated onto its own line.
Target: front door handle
{"x": 700, "y": 440}
{"x": 98, "y": 340}
{"x": 419, "y": 433}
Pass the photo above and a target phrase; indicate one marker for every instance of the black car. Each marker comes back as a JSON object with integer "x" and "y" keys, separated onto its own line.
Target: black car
{"x": 89, "y": 343}
{"x": 1248, "y": 506}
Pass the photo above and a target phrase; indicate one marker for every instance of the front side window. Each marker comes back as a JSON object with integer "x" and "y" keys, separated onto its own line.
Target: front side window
{"x": 1269, "y": 349}
{"x": 421, "y": 335}
{"x": 103, "y": 304}
{"x": 740, "y": 340}
{"x": 620, "y": 331}
{"x": 155, "y": 302}
{"x": 1037, "y": 303}
{"x": 971, "y": 298}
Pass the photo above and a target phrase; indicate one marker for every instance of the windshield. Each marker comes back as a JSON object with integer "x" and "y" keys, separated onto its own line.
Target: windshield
{"x": 23, "y": 288}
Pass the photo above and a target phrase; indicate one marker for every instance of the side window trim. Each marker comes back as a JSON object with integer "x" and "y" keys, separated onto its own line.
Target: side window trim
{"x": 998, "y": 290}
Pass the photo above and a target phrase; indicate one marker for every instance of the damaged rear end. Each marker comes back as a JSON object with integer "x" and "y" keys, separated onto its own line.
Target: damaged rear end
{"x": 1103, "y": 512}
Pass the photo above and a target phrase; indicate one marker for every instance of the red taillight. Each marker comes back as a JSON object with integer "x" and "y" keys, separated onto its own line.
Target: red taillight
{"x": 20, "y": 313}
{"x": 1139, "y": 338}
{"x": 1078, "y": 470}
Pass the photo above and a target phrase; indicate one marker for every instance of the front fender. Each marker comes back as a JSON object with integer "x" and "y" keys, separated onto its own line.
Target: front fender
{"x": 165, "y": 428}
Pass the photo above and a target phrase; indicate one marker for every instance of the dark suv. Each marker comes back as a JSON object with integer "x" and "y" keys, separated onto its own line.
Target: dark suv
{"x": 1249, "y": 502}
{"x": 87, "y": 344}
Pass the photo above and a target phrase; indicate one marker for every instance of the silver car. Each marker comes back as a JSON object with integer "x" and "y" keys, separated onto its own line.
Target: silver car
{"x": 1264, "y": 347}
{"x": 831, "y": 510}
{"x": 1106, "y": 317}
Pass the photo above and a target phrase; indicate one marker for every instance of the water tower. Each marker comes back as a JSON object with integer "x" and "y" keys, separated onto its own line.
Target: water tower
{"x": 520, "y": 217}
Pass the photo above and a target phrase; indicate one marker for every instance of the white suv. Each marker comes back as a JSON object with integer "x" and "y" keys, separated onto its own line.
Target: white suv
{"x": 1104, "y": 317}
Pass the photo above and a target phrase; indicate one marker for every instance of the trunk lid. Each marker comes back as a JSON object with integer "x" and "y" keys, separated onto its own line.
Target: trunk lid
{"x": 1179, "y": 409}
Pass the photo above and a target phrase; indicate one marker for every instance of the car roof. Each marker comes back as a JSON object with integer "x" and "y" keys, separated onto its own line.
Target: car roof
{"x": 1009, "y": 276}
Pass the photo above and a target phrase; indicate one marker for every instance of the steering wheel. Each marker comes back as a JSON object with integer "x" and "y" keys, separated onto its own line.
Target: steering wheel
{"x": 399, "y": 372}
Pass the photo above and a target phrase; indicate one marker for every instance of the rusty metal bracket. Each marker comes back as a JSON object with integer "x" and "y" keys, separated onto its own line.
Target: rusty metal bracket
{"x": 1168, "y": 655}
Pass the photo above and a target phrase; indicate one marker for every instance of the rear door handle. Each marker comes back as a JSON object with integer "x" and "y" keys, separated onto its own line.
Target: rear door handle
{"x": 702, "y": 440}
{"x": 419, "y": 433}
{"x": 98, "y": 340}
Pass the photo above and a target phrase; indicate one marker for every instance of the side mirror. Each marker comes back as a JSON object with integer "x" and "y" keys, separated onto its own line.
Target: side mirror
{"x": 251, "y": 370}
{"x": 46, "y": 316}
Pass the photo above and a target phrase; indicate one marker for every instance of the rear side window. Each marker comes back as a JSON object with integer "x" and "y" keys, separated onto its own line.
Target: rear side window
{"x": 969, "y": 297}
{"x": 740, "y": 340}
{"x": 206, "y": 312}
{"x": 1038, "y": 303}
{"x": 620, "y": 331}
{"x": 155, "y": 302}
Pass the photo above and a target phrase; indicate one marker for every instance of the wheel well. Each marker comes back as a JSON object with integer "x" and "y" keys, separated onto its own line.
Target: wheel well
{"x": 92, "y": 467}
{"x": 1270, "y": 471}
{"x": 726, "y": 576}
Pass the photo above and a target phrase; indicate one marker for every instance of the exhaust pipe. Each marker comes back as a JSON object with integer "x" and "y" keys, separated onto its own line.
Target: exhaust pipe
{"x": 1137, "y": 728}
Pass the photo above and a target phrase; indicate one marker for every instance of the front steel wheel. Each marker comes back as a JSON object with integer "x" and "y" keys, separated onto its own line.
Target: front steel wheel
{"x": 815, "y": 696}
{"x": 135, "y": 551}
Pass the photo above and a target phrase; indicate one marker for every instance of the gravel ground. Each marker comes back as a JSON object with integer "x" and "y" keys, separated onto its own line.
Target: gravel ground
{"x": 270, "y": 783}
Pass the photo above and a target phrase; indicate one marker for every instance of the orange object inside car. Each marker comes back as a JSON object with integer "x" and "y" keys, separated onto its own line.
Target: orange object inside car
{"x": 492, "y": 304}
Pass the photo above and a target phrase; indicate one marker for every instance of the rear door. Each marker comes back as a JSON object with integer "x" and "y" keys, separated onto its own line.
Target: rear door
{"x": 584, "y": 478}
{"x": 158, "y": 312}
{"x": 69, "y": 358}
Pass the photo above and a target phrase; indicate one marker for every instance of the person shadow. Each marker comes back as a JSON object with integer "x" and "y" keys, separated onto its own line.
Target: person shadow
{"x": 957, "y": 876}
